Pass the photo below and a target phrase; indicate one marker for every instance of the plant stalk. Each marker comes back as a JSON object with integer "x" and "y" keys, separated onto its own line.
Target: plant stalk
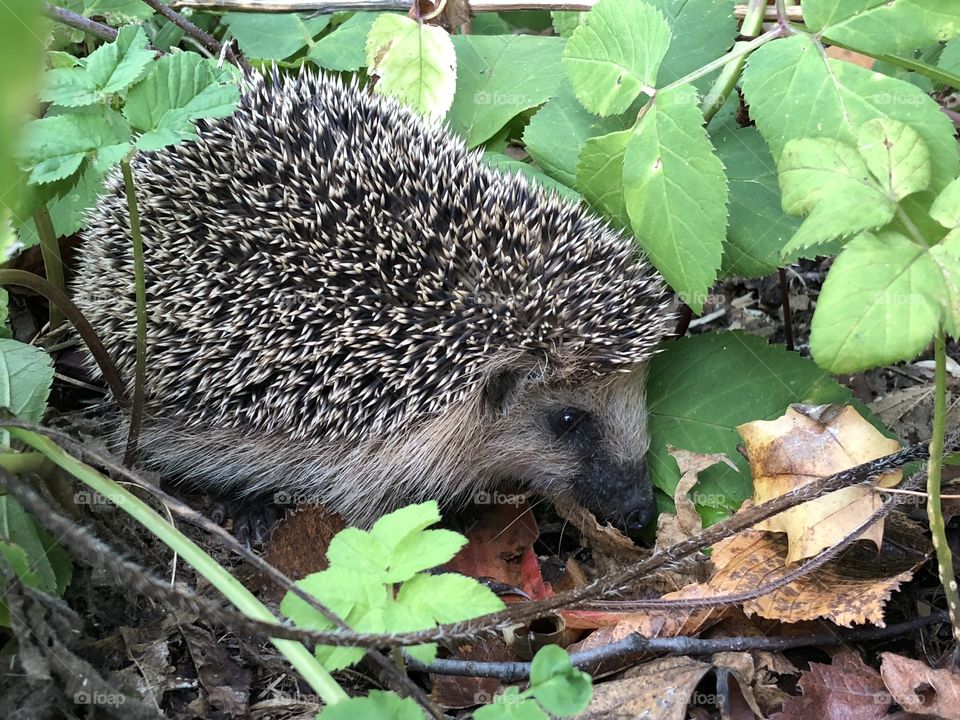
{"x": 140, "y": 369}
{"x": 245, "y": 601}
{"x": 737, "y": 52}
{"x": 52, "y": 262}
{"x": 934, "y": 466}
{"x": 727, "y": 81}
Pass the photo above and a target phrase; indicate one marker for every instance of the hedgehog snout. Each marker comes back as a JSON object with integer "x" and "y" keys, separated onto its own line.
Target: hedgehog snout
{"x": 620, "y": 494}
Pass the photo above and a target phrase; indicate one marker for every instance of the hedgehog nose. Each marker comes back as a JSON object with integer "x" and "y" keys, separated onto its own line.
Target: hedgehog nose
{"x": 637, "y": 519}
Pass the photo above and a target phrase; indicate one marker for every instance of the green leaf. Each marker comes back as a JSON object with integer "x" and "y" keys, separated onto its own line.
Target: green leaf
{"x": 377, "y": 704}
{"x": 68, "y": 211}
{"x": 273, "y": 36}
{"x": 54, "y": 147}
{"x": 758, "y": 228}
{"x": 701, "y": 388}
{"x": 557, "y": 684}
{"x": 394, "y": 527}
{"x": 556, "y": 134}
{"x": 447, "y": 597}
{"x": 615, "y": 54}
{"x": 423, "y": 550}
{"x": 18, "y": 528}
{"x": 415, "y": 63}
{"x": 896, "y": 156}
{"x": 781, "y": 73}
{"x": 879, "y": 304}
{"x": 490, "y": 92}
{"x": 118, "y": 12}
{"x": 947, "y": 257}
{"x": 829, "y": 181}
{"x": 949, "y": 59}
{"x": 120, "y": 64}
{"x": 26, "y": 373}
{"x": 600, "y": 175}
{"x": 878, "y": 26}
{"x": 676, "y": 193}
{"x": 359, "y": 551}
{"x": 344, "y": 48}
{"x": 182, "y": 88}
{"x": 509, "y": 706}
{"x": 702, "y": 31}
{"x": 356, "y": 598}
{"x": 946, "y": 208}
{"x": 506, "y": 164}
{"x": 565, "y": 22}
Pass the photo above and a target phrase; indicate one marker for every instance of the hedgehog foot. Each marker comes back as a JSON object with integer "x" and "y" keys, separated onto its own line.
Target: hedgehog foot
{"x": 252, "y": 519}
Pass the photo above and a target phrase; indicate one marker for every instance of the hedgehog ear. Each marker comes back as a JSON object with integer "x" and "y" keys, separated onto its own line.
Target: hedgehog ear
{"x": 500, "y": 390}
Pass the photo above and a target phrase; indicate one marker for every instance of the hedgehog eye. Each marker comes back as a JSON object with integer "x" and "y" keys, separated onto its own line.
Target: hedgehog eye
{"x": 567, "y": 420}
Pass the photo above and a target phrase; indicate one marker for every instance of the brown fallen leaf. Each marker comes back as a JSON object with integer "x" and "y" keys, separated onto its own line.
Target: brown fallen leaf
{"x": 846, "y": 689}
{"x": 852, "y": 588}
{"x": 226, "y": 683}
{"x": 605, "y": 539}
{"x": 452, "y": 691}
{"x": 807, "y": 443}
{"x": 691, "y": 464}
{"x": 920, "y": 689}
{"x": 658, "y": 690}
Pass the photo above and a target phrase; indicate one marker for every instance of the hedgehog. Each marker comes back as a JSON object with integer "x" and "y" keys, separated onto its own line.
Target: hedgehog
{"x": 347, "y": 306}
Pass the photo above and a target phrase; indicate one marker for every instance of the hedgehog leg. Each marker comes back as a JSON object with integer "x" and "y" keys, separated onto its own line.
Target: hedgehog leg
{"x": 253, "y": 518}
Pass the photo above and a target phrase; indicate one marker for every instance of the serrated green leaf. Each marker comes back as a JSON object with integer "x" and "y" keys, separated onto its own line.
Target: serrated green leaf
{"x": 946, "y": 208}
{"x": 273, "y": 36}
{"x": 896, "y": 156}
{"x": 345, "y": 47}
{"x": 557, "y": 684}
{"x": 758, "y": 228}
{"x": 879, "y": 26}
{"x": 118, "y": 65}
{"x": 949, "y": 59}
{"x": 377, "y": 704}
{"x": 54, "y": 147}
{"x": 490, "y": 92}
{"x": 702, "y": 30}
{"x": 556, "y": 134}
{"x": 879, "y": 304}
{"x": 392, "y": 528}
{"x": 415, "y": 63}
{"x": 448, "y": 597}
{"x": 947, "y": 257}
{"x": 565, "y": 22}
{"x": 615, "y": 54}
{"x": 68, "y": 207}
{"x": 183, "y": 87}
{"x": 676, "y": 194}
{"x": 510, "y": 707}
{"x": 423, "y": 550}
{"x": 59, "y": 59}
{"x": 600, "y": 175}
{"x": 69, "y": 87}
{"x": 357, "y": 550}
{"x": 847, "y": 96}
{"x": 26, "y": 373}
{"x": 507, "y": 164}
{"x": 750, "y": 380}
{"x": 357, "y": 599}
{"x": 829, "y": 181}
{"x": 400, "y": 618}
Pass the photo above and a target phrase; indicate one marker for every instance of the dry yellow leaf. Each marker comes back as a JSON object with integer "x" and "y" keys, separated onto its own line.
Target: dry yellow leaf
{"x": 805, "y": 444}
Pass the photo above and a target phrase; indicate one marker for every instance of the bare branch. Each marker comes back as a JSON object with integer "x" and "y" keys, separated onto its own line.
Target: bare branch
{"x": 71, "y": 19}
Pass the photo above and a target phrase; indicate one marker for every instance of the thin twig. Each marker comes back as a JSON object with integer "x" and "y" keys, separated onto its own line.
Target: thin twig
{"x": 785, "y": 305}
{"x": 203, "y": 37}
{"x": 71, "y": 19}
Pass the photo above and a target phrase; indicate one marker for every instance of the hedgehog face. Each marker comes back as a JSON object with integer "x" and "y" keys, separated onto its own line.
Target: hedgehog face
{"x": 586, "y": 440}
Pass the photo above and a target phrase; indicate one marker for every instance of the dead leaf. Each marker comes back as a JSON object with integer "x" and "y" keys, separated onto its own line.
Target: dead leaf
{"x": 805, "y": 444}
{"x": 691, "y": 464}
{"x": 852, "y": 588}
{"x": 453, "y": 691}
{"x": 847, "y": 689}
{"x": 605, "y": 539}
{"x": 227, "y": 685}
{"x": 920, "y": 689}
{"x": 659, "y": 690}
{"x": 287, "y": 550}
